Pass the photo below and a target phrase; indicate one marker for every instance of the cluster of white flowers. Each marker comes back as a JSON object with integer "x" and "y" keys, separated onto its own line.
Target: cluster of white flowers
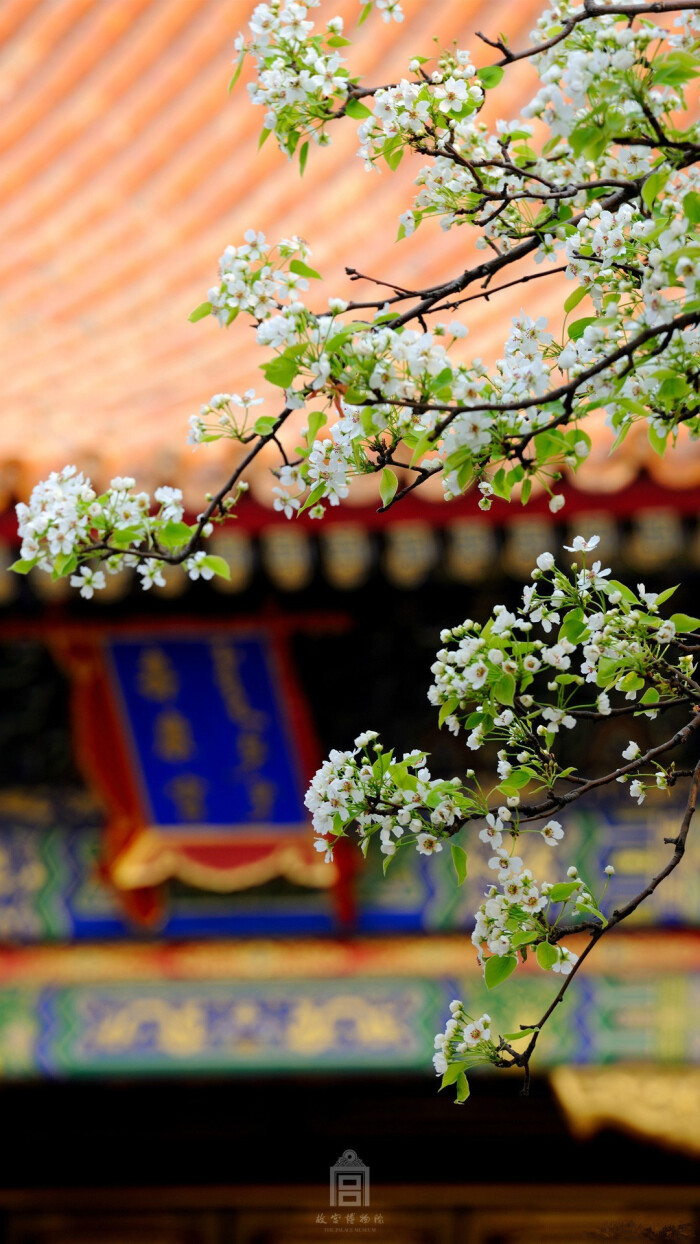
{"x": 259, "y": 278}
{"x": 462, "y": 1036}
{"x": 66, "y": 524}
{"x": 430, "y": 109}
{"x": 597, "y": 52}
{"x": 225, "y": 414}
{"x": 516, "y": 915}
{"x": 65, "y": 517}
{"x": 301, "y": 75}
{"x": 386, "y": 387}
{"x": 498, "y": 681}
{"x": 510, "y": 920}
{"x": 398, "y": 800}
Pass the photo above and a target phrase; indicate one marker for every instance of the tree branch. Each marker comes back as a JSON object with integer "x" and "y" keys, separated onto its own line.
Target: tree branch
{"x": 622, "y": 913}
{"x": 589, "y": 11}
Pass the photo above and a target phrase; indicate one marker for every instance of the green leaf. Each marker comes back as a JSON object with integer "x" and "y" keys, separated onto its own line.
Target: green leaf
{"x": 524, "y": 153}
{"x": 424, "y": 445}
{"x": 561, "y": 892}
{"x": 573, "y": 626}
{"x": 524, "y": 939}
{"x": 520, "y": 777}
{"x": 280, "y": 371}
{"x": 657, "y": 440}
{"x": 125, "y": 536}
{"x": 578, "y": 328}
{"x": 574, "y": 299}
{"x": 650, "y": 697}
{"x": 303, "y": 157}
{"x": 674, "y": 69}
{"x": 264, "y": 135}
{"x": 594, "y": 911}
{"x": 462, "y": 1088}
{"x": 388, "y": 484}
{"x": 607, "y": 672}
{"x": 500, "y": 485}
{"x": 684, "y": 622}
{"x": 673, "y": 389}
{"x": 498, "y": 968}
{"x": 200, "y": 312}
{"x": 303, "y": 269}
{"x": 691, "y": 207}
{"x": 354, "y": 108}
{"x": 23, "y": 566}
{"x": 314, "y": 496}
{"x": 504, "y": 689}
{"x": 490, "y": 76}
{"x": 173, "y": 535}
{"x": 365, "y": 13}
{"x": 317, "y": 419}
{"x": 453, "y": 1072}
{"x": 654, "y": 184}
{"x": 393, "y": 151}
{"x": 515, "y": 1036}
{"x": 459, "y": 859}
{"x": 64, "y": 565}
{"x": 589, "y": 140}
{"x": 447, "y": 708}
{"x": 626, "y": 592}
{"x": 264, "y": 425}
{"x": 218, "y": 565}
{"x": 238, "y": 70}
{"x": 442, "y": 379}
{"x": 547, "y": 955}
{"x": 338, "y": 41}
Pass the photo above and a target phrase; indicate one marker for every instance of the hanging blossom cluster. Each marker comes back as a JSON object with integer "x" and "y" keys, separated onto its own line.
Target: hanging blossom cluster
{"x": 580, "y": 646}
{"x": 432, "y": 108}
{"x": 465, "y": 1043}
{"x": 396, "y": 799}
{"x": 575, "y": 641}
{"x": 301, "y": 74}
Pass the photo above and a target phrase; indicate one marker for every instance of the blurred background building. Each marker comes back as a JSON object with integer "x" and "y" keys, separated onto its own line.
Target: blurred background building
{"x": 198, "y": 1017}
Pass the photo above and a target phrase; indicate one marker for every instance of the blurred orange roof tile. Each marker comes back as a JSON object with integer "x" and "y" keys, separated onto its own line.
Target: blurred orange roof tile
{"x": 126, "y": 169}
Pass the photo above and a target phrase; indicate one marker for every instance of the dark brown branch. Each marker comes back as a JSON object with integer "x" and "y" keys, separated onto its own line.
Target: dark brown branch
{"x": 625, "y": 710}
{"x": 555, "y": 803}
{"x": 590, "y": 10}
{"x": 216, "y": 503}
{"x": 487, "y": 293}
{"x": 620, "y": 914}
